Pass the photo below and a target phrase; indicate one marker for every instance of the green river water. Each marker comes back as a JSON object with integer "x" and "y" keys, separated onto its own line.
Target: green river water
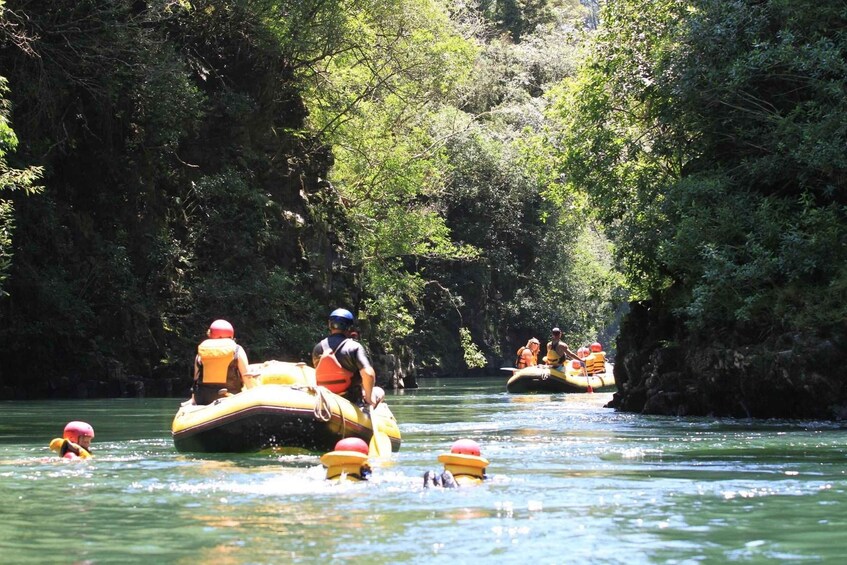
{"x": 569, "y": 482}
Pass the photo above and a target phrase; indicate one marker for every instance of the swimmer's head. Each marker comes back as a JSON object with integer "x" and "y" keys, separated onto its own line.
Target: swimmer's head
{"x": 80, "y": 433}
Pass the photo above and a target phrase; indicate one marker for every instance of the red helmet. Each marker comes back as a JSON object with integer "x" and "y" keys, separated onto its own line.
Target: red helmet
{"x": 596, "y": 346}
{"x": 465, "y": 447}
{"x": 576, "y": 364}
{"x": 352, "y": 444}
{"x": 75, "y": 430}
{"x": 220, "y": 328}
{"x": 582, "y": 352}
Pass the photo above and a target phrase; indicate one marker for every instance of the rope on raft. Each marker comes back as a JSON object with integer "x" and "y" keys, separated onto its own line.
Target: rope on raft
{"x": 323, "y": 409}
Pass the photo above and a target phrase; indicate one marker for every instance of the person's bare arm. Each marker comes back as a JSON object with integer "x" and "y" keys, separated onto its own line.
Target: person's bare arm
{"x": 571, "y": 354}
{"x": 246, "y": 379}
{"x": 368, "y": 379}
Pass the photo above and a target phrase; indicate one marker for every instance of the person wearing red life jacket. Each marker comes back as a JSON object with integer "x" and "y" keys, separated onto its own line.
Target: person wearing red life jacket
{"x": 342, "y": 365}
{"x": 220, "y": 367}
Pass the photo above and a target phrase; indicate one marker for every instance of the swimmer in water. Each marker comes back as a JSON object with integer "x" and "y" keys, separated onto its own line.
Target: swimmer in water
{"x": 462, "y": 466}
{"x": 348, "y": 461}
{"x": 75, "y": 442}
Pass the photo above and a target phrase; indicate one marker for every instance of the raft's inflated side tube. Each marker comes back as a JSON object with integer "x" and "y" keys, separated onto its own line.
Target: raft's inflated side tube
{"x": 548, "y": 379}
{"x": 282, "y": 373}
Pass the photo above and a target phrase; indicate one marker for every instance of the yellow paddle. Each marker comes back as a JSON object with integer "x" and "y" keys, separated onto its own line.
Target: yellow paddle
{"x": 380, "y": 445}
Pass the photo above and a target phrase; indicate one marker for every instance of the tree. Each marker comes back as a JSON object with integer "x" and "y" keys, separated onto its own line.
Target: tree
{"x": 679, "y": 128}
{"x": 11, "y": 178}
{"x": 388, "y": 76}
{"x": 710, "y": 138}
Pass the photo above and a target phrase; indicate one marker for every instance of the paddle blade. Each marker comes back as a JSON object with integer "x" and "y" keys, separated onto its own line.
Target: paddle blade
{"x": 380, "y": 445}
{"x": 587, "y": 380}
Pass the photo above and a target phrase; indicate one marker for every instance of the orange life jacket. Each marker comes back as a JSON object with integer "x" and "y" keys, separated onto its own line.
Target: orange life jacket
{"x": 519, "y": 362}
{"x": 329, "y": 372}
{"x": 596, "y": 362}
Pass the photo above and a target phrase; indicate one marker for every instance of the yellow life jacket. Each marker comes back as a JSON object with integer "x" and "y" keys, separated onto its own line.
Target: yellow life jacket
{"x": 329, "y": 372}
{"x": 64, "y": 446}
{"x": 349, "y": 465}
{"x": 596, "y": 363}
{"x": 218, "y": 363}
{"x": 462, "y": 466}
{"x": 553, "y": 357}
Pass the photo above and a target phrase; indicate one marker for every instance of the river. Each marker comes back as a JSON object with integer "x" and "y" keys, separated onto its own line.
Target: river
{"x": 569, "y": 482}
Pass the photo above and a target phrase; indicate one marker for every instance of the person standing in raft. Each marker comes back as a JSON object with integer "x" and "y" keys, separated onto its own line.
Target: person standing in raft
{"x": 558, "y": 351}
{"x": 528, "y": 355}
{"x": 75, "y": 442}
{"x": 342, "y": 365}
{"x": 220, "y": 367}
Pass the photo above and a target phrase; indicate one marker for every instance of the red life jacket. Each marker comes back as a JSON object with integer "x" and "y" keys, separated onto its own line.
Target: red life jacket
{"x": 329, "y": 372}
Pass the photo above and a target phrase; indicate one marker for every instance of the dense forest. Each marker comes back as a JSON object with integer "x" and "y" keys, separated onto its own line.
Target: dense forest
{"x": 667, "y": 177}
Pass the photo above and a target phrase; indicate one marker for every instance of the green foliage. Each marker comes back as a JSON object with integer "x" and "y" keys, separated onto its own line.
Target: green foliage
{"x": 520, "y": 18}
{"x": 578, "y": 292}
{"x": 262, "y": 161}
{"x": 535, "y": 267}
{"x": 11, "y": 179}
{"x": 710, "y": 141}
{"x": 166, "y": 200}
{"x": 617, "y": 147}
{"x": 389, "y": 75}
{"x": 293, "y": 317}
{"x": 474, "y": 358}
{"x": 509, "y": 75}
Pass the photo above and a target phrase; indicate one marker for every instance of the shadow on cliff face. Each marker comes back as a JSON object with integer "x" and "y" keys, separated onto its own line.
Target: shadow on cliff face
{"x": 660, "y": 369}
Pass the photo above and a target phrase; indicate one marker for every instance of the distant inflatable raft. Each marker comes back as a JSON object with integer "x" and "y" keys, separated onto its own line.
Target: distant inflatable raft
{"x": 547, "y": 379}
{"x": 286, "y": 410}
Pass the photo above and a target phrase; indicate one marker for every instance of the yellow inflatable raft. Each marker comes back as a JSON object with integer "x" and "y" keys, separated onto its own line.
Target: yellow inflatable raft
{"x": 543, "y": 378}
{"x": 284, "y": 409}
